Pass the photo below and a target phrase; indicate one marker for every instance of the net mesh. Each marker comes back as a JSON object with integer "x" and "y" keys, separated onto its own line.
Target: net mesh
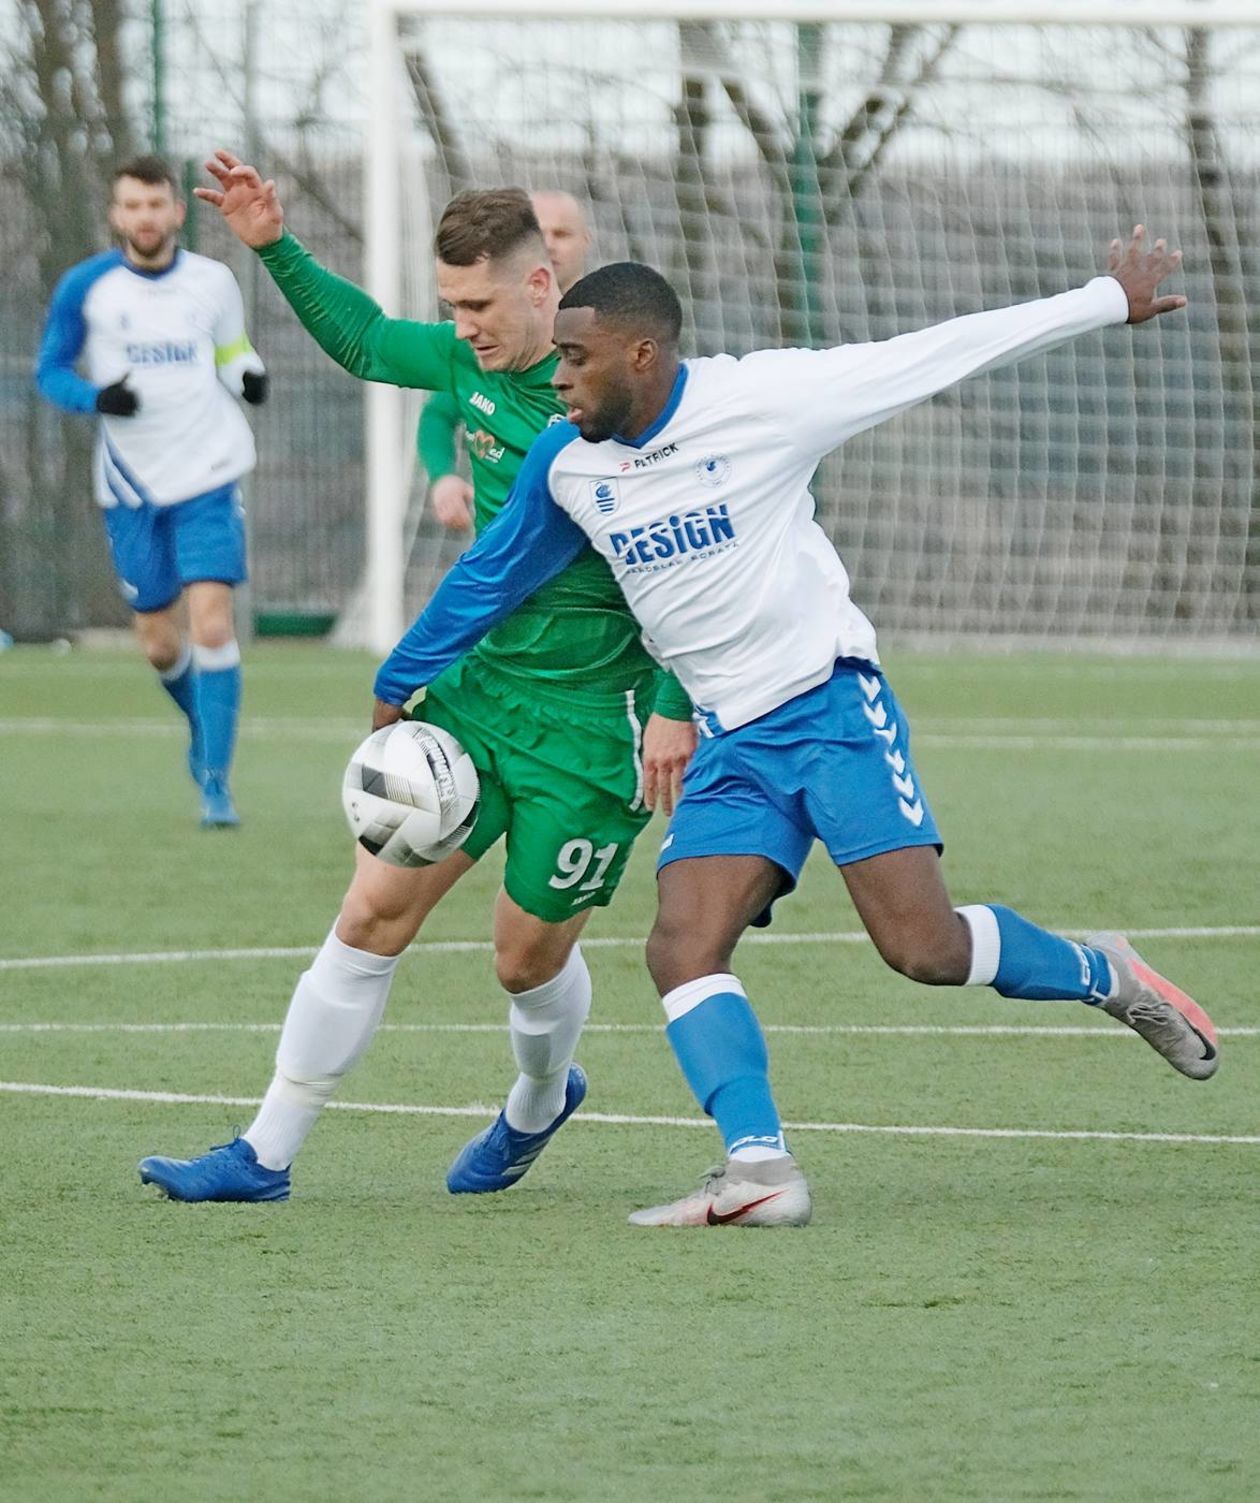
{"x": 819, "y": 184}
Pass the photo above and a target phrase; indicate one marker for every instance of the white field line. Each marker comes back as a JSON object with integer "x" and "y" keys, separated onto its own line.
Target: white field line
{"x": 838, "y": 1030}
{"x": 484, "y": 946}
{"x": 618, "y": 1119}
{"x": 962, "y": 734}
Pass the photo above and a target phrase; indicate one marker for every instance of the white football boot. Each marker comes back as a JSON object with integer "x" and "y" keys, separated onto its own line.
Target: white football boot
{"x": 770, "y": 1193}
{"x": 1171, "y": 1023}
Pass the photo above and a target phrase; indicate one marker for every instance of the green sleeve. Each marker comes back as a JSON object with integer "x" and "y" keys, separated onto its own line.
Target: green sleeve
{"x": 435, "y": 434}
{"x": 350, "y": 327}
{"x": 671, "y": 698}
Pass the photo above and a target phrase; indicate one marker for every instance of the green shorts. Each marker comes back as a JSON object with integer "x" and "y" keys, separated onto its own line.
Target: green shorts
{"x": 562, "y": 779}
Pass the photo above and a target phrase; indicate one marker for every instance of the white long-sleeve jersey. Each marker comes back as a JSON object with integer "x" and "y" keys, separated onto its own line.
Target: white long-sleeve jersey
{"x": 707, "y": 520}
{"x": 178, "y": 336}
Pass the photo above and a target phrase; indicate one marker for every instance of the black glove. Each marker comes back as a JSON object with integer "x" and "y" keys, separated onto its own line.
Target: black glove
{"x": 254, "y": 387}
{"x": 117, "y": 400}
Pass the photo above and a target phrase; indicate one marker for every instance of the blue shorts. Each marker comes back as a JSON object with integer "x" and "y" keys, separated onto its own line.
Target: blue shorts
{"x": 159, "y": 549}
{"x": 832, "y": 764}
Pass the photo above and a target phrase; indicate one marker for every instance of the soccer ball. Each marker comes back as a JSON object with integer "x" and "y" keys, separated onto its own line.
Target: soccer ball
{"x": 410, "y": 794}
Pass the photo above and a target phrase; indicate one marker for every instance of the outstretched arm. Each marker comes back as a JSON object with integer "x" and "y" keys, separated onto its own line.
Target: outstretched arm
{"x": 528, "y": 543}
{"x": 346, "y": 323}
{"x": 824, "y": 397}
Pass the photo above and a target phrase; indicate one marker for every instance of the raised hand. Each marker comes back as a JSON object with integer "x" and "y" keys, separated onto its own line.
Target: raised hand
{"x": 1140, "y": 272}
{"x": 250, "y": 206}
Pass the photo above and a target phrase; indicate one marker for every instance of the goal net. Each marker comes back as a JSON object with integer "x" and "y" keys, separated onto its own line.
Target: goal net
{"x": 815, "y": 181}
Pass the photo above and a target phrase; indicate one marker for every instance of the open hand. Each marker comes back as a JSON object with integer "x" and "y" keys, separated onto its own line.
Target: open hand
{"x": 250, "y": 206}
{"x": 667, "y": 748}
{"x": 1140, "y": 272}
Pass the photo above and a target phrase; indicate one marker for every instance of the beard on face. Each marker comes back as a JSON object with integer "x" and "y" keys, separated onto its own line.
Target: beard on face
{"x": 606, "y": 421}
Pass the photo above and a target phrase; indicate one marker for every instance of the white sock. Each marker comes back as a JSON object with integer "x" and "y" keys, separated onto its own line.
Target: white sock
{"x": 545, "y": 1024}
{"x": 335, "y": 1010}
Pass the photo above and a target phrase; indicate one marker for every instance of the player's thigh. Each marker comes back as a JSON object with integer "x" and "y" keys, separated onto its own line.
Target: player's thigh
{"x": 142, "y": 547}
{"x": 704, "y": 904}
{"x": 568, "y": 842}
{"x": 852, "y": 765}
{"x": 905, "y": 907}
{"x": 733, "y": 805}
{"x": 529, "y": 951}
{"x": 210, "y": 619}
{"x": 385, "y": 905}
{"x": 209, "y": 535}
{"x": 451, "y": 704}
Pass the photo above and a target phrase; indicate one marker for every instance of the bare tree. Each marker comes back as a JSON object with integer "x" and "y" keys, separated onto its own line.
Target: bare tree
{"x": 66, "y": 123}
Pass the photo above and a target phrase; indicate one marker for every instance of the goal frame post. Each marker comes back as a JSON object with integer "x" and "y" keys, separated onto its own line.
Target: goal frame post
{"x": 381, "y": 616}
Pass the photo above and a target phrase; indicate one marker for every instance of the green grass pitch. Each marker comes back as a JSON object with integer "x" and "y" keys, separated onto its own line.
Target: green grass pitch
{"x": 1036, "y": 1315}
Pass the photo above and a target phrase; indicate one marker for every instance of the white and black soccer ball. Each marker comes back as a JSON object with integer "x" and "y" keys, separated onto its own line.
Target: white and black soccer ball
{"x": 410, "y": 794}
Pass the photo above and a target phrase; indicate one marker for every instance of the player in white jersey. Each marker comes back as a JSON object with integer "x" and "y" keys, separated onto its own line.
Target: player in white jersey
{"x": 160, "y": 335}
{"x": 692, "y": 479}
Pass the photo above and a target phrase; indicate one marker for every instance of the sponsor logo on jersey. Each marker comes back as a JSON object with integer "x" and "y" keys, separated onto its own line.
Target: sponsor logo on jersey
{"x": 482, "y": 403}
{"x": 713, "y": 469}
{"x": 484, "y": 447}
{"x": 668, "y": 540}
{"x": 646, "y": 461}
{"x": 605, "y": 494}
{"x": 163, "y": 352}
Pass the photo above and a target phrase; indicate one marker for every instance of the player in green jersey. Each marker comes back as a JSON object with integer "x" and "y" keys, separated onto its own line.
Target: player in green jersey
{"x": 550, "y": 708}
{"x": 568, "y": 240}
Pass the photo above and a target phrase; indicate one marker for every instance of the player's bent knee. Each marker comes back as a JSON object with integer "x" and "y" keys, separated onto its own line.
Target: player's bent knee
{"x": 523, "y": 970}
{"x": 674, "y": 956}
{"x": 929, "y": 962}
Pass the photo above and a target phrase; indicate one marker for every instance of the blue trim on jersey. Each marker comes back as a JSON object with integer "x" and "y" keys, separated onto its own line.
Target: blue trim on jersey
{"x": 124, "y": 473}
{"x": 153, "y": 276}
{"x": 663, "y": 417}
{"x": 64, "y": 335}
{"x": 528, "y": 543}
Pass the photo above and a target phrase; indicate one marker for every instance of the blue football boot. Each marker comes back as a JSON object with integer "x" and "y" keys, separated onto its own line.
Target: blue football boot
{"x": 229, "y": 1172}
{"x": 496, "y": 1158}
{"x": 218, "y": 812}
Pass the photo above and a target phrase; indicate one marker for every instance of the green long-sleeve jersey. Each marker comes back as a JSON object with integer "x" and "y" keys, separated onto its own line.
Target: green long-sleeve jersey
{"x": 576, "y": 635}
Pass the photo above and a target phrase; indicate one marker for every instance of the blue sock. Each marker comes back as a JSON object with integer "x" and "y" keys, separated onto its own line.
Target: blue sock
{"x": 720, "y": 1048}
{"x": 218, "y": 701}
{"x": 1017, "y": 959}
{"x": 180, "y": 682}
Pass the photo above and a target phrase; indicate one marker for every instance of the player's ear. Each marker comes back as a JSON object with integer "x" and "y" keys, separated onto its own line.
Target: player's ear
{"x": 181, "y": 213}
{"x": 539, "y": 285}
{"x": 644, "y": 355}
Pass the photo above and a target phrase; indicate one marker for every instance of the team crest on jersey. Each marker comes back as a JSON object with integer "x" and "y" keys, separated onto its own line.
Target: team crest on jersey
{"x": 605, "y": 494}
{"x": 713, "y": 469}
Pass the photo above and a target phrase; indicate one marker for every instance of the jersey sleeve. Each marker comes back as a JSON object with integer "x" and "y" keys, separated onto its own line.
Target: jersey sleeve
{"x": 65, "y": 331}
{"x": 353, "y": 330}
{"x": 530, "y": 541}
{"x": 233, "y": 353}
{"x": 821, "y": 398}
{"x": 672, "y": 700}
{"x": 435, "y": 435}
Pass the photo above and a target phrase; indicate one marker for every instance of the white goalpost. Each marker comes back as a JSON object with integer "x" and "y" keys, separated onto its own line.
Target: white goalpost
{"x": 818, "y": 171}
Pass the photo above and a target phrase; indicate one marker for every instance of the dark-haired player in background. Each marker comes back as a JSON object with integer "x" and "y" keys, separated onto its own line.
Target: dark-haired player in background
{"x": 161, "y": 336}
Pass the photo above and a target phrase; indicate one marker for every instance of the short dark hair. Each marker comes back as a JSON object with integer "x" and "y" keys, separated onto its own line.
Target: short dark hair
{"x": 147, "y": 169}
{"x": 629, "y": 293}
{"x": 480, "y": 225}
